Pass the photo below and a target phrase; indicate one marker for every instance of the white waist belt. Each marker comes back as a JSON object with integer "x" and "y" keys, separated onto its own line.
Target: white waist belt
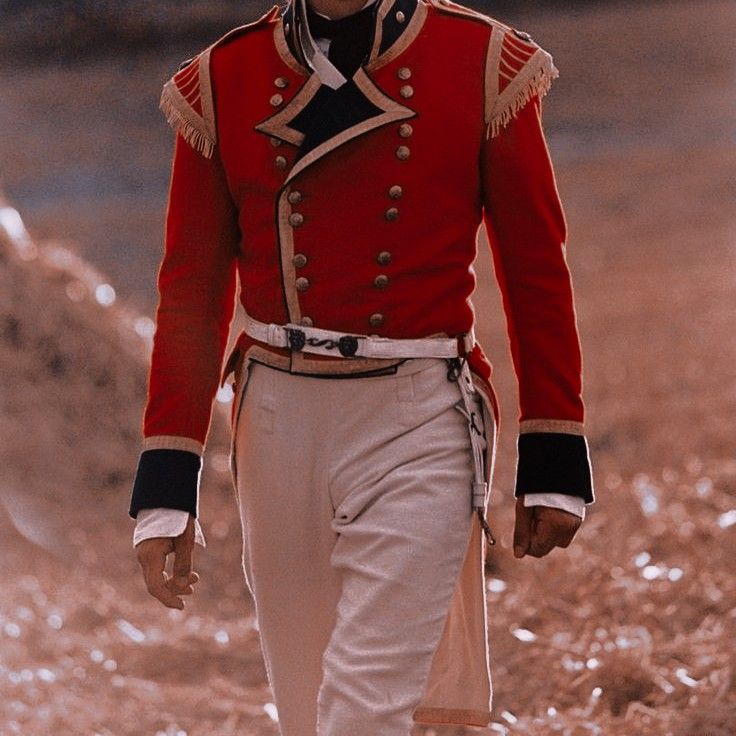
{"x": 327, "y": 342}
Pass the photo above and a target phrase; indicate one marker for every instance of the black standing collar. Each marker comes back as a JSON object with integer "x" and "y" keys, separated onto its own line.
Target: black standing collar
{"x": 393, "y": 20}
{"x": 351, "y": 38}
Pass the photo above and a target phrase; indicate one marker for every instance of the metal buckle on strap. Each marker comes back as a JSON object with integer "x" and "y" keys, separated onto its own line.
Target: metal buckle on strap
{"x": 348, "y": 345}
{"x": 298, "y": 340}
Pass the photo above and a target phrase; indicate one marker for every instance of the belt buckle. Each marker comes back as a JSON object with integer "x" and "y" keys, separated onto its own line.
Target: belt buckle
{"x": 297, "y": 338}
{"x": 348, "y": 345}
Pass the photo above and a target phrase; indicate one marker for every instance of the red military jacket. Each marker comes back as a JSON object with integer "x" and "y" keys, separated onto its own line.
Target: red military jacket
{"x": 359, "y": 212}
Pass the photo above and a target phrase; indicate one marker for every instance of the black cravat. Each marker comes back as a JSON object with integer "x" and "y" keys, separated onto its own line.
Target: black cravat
{"x": 350, "y": 37}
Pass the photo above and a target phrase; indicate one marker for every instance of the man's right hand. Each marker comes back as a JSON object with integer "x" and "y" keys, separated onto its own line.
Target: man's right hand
{"x": 152, "y": 555}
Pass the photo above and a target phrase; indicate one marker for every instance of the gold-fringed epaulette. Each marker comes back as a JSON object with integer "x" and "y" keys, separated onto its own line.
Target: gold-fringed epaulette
{"x": 517, "y": 69}
{"x": 187, "y": 100}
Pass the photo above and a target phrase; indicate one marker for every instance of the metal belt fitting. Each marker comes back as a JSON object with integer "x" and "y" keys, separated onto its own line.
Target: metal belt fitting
{"x": 459, "y": 371}
{"x": 327, "y": 342}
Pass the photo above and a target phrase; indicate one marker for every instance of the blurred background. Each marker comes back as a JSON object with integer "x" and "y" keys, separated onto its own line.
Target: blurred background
{"x": 628, "y": 632}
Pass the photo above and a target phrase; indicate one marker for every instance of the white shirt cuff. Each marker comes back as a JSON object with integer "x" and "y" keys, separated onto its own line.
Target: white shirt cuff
{"x": 573, "y": 504}
{"x": 162, "y": 522}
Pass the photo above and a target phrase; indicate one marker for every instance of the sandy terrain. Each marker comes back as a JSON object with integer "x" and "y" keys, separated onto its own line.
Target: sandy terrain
{"x": 627, "y": 633}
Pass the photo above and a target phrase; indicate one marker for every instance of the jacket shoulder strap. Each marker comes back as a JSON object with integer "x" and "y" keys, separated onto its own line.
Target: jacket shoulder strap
{"x": 453, "y": 8}
{"x": 186, "y": 99}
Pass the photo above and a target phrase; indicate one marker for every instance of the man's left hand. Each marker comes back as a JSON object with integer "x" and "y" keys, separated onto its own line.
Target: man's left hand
{"x": 539, "y": 529}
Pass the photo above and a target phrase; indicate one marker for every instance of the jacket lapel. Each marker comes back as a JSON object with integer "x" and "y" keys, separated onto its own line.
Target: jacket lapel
{"x": 319, "y": 119}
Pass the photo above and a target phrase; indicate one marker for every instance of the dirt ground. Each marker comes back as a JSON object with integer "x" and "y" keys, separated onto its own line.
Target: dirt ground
{"x": 629, "y": 632}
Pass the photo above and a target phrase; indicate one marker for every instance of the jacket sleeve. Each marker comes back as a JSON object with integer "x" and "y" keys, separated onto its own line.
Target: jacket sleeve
{"x": 527, "y": 231}
{"x": 196, "y": 285}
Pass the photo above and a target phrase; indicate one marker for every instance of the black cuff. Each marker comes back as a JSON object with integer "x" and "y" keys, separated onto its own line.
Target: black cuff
{"x": 554, "y": 462}
{"x": 167, "y": 479}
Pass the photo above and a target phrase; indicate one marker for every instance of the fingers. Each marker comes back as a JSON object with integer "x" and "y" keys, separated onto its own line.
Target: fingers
{"x": 553, "y": 528}
{"x": 543, "y": 539}
{"x": 180, "y": 588}
{"x": 183, "y": 552}
{"x": 523, "y": 528}
{"x": 152, "y": 558}
{"x": 152, "y": 555}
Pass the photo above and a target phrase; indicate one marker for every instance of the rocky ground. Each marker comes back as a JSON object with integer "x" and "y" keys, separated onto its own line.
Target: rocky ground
{"x": 629, "y": 632}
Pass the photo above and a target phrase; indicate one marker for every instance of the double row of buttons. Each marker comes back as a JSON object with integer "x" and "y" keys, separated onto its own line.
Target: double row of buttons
{"x": 395, "y": 192}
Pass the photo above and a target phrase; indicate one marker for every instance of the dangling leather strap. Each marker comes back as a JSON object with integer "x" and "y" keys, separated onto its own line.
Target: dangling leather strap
{"x": 459, "y": 371}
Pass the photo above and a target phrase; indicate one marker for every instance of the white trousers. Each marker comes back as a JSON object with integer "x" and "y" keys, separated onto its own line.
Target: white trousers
{"x": 355, "y": 502}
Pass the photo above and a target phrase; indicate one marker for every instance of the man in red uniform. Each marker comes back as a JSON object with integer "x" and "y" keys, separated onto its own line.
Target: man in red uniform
{"x": 340, "y": 164}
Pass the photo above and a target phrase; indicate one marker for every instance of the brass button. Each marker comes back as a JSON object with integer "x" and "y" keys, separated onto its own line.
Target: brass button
{"x": 376, "y": 320}
{"x": 523, "y": 35}
{"x": 396, "y": 192}
{"x": 296, "y": 219}
{"x": 281, "y": 82}
{"x": 381, "y": 281}
{"x": 392, "y": 214}
{"x": 400, "y": 16}
{"x": 299, "y": 260}
{"x": 276, "y": 100}
{"x": 404, "y": 73}
{"x": 306, "y": 321}
{"x": 280, "y": 162}
{"x": 294, "y": 197}
{"x": 405, "y": 130}
{"x": 384, "y": 257}
{"x": 406, "y": 90}
{"x": 302, "y": 283}
{"x": 403, "y": 153}
{"x": 275, "y": 142}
